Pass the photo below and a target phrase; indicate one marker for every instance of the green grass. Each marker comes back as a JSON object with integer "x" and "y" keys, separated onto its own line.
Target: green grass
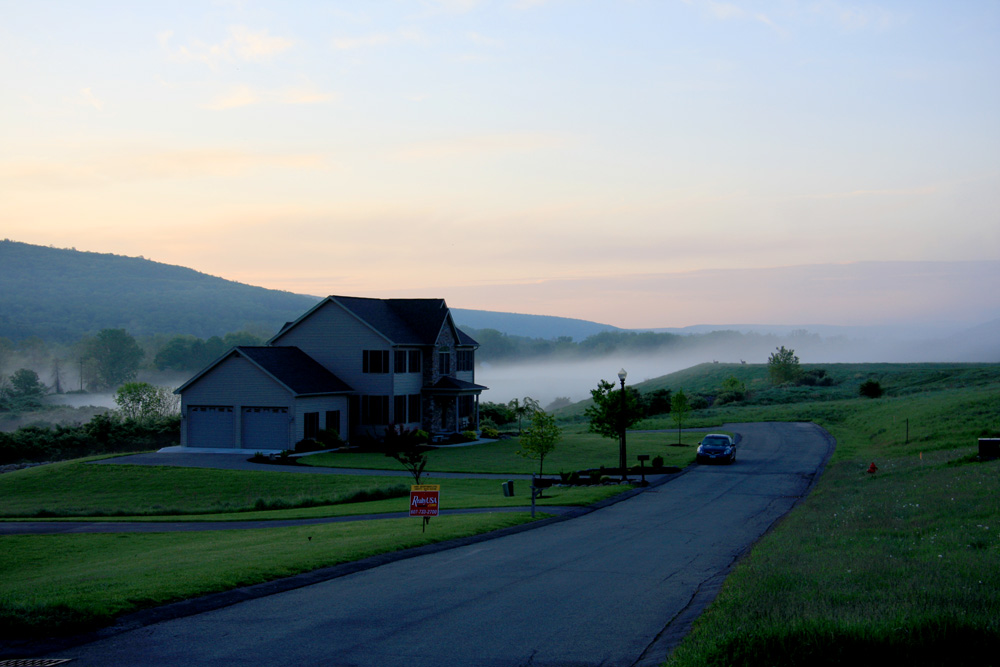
{"x": 577, "y": 450}
{"x": 71, "y": 583}
{"x": 897, "y": 567}
{"x": 75, "y": 490}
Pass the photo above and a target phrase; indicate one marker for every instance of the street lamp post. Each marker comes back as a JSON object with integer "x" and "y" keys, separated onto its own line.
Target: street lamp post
{"x": 621, "y": 442}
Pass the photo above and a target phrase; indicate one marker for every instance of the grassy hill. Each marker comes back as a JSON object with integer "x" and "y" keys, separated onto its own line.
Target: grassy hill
{"x": 61, "y": 295}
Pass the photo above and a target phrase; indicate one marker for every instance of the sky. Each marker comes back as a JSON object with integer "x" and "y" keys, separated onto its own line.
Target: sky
{"x": 651, "y": 163}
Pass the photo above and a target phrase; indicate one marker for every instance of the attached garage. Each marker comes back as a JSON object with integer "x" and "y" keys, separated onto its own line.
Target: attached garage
{"x": 265, "y": 428}
{"x": 257, "y": 399}
{"x": 211, "y": 426}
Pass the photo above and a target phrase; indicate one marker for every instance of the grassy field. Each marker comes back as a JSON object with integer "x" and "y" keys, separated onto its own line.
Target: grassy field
{"x": 577, "y": 450}
{"x": 899, "y": 567}
{"x": 72, "y": 583}
{"x": 76, "y": 490}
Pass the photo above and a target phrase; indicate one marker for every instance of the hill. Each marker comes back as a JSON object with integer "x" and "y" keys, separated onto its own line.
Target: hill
{"x": 62, "y": 294}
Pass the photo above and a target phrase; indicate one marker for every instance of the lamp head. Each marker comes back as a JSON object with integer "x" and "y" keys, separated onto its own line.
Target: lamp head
{"x": 622, "y": 375}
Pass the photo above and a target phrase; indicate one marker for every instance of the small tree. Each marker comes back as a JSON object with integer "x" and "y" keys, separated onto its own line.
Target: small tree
{"x": 25, "y": 390}
{"x": 141, "y": 401}
{"x": 523, "y": 408}
{"x": 404, "y": 446}
{"x": 783, "y": 365}
{"x": 679, "y": 407}
{"x": 733, "y": 390}
{"x": 540, "y": 438}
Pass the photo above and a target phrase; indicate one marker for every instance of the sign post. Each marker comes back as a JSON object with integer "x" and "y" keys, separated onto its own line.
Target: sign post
{"x": 424, "y": 501}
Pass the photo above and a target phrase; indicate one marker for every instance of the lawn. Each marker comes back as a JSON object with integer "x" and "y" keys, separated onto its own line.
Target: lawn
{"x": 79, "y": 490}
{"x": 897, "y": 567}
{"x": 71, "y": 583}
{"x": 577, "y": 450}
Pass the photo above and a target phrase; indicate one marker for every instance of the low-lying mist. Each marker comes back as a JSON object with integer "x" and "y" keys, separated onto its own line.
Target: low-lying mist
{"x": 548, "y": 379}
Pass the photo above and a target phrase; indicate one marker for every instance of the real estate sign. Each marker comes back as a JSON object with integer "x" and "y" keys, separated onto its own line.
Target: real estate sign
{"x": 424, "y": 499}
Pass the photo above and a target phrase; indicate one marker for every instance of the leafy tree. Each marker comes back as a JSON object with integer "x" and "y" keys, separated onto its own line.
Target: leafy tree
{"x": 608, "y": 416}
{"x": 116, "y": 356}
{"x": 656, "y": 402}
{"x": 540, "y": 438}
{"x": 24, "y": 390}
{"x": 870, "y": 389}
{"x": 783, "y": 365}
{"x": 679, "y": 407}
{"x": 141, "y": 401}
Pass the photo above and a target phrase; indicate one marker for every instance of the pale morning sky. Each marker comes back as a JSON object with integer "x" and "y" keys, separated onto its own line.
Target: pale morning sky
{"x": 615, "y": 161}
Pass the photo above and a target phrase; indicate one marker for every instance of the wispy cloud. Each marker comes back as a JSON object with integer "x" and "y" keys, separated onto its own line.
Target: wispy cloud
{"x": 242, "y": 44}
{"x": 90, "y": 170}
{"x": 406, "y": 35}
{"x": 478, "y": 146}
{"x": 243, "y": 96}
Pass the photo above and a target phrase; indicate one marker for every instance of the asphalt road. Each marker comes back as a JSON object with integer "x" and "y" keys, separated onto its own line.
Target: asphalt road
{"x": 618, "y": 586}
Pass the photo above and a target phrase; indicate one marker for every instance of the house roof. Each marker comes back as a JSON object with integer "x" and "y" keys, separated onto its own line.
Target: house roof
{"x": 295, "y": 369}
{"x": 401, "y": 321}
{"x": 289, "y": 366}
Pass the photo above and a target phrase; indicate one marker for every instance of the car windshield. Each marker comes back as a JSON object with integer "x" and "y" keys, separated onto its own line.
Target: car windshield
{"x": 715, "y": 442}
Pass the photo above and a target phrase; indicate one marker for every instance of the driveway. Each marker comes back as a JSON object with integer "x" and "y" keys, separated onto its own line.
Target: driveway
{"x": 617, "y": 586}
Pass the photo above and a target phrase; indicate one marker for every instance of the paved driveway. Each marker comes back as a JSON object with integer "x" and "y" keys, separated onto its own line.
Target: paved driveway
{"x": 618, "y": 586}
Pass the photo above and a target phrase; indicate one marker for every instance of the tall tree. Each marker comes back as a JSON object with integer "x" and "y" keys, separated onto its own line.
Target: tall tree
{"x": 611, "y": 413}
{"x": 116, "y": 357}
{"x": 540, "y": 438}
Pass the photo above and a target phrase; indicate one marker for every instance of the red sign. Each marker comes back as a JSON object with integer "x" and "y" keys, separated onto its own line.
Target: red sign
{"x": 424, "y": 499}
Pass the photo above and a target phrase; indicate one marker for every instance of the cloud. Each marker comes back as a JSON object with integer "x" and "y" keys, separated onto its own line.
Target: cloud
{"x": 91, "y": 99}
{"x": 405, "y": 35}
{"x": 93, "y": 170}
{"x": 243, "y": 44}
{"x": 242, "y": 96}
{"x": 478, "y": 146}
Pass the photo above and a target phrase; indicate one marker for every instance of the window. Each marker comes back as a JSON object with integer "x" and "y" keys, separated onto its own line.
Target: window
{"x": 444, "y": 363}
{"x": 399, "y": 410}
{"x": 415, "y": 361}
{"x": 375, "y": 361}
{"x": 400, "y": 361}
{"x": 374, "y": 410}
{"x": 464, "y": 360}
{"x": 311, "y": 422}
{"x": 406, "y": 409}
{"x": 333, "y": 420}
{"x": 466, "y": 406}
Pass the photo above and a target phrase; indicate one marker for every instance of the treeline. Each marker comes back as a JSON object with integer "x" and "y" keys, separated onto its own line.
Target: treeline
{"x": 496, "y": 346}
{"x": 104, "y": 434}
{"x": 32, "y": 368}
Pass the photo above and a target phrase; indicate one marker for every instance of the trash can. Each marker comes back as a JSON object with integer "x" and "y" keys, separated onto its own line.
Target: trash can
{"x": 508, "y": 488}
{"x": 989, "y": 448}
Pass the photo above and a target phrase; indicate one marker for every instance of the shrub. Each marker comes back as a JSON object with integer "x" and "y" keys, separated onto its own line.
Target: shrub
{"x": 657, "y": 461}
{"x": 470, "y": 436}
{"x": 423, "y": 437}
{"x": 490, "y": 432}
{"x": 870, "y": 389}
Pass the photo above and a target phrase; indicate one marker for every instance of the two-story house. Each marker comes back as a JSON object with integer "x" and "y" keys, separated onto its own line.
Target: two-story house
{"x": 350, "y": 364}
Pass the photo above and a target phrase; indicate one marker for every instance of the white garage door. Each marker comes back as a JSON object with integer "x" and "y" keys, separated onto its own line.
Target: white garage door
{"x": 265, "y": 428}
{"x": 211, "y": 426}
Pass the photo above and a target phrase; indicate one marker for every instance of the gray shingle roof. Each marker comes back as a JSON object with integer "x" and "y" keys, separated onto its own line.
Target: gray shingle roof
{"x": 403, "y": 321}
{"x": 295, "y": 369}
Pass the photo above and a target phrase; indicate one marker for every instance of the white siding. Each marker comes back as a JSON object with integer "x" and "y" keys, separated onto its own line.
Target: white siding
{"x": 237, "y": 383}
{"x": 336, "y": 339}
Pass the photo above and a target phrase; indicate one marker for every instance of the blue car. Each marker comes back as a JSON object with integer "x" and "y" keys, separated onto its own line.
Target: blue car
{"x": 716, "y": 448}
